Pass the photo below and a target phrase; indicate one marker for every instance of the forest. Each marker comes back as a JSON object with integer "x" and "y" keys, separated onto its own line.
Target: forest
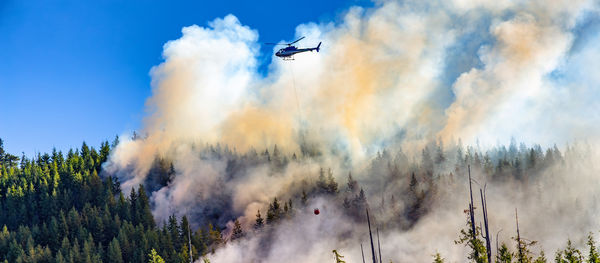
{"x": 58, "y": 207}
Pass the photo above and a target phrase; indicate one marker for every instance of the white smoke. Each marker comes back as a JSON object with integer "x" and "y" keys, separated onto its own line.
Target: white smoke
{"x": 400, "y": 74}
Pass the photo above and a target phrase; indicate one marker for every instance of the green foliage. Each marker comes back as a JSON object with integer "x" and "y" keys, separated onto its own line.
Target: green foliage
{"x": 63, "y": 208}
{"x": 274, "y": 212}
{"x": 541, "y": 258}
{"x": 338, "y": 257}
{"x": 237, "y": 230}
{"x": 154, "y": 257}
{"x": 473, "y": 242}
{"x": 569, "y": 255}
{"x": 259, "y": 220}
{"x": 504, "y": 255}
{"x": 437, "y": 258}
{"x": 214, "y": 235}
{"x": 525, "y": 255}
{"x": 114, "y": 252}
{"x": 593, "y": 256}
{"x": 56, "y": 208}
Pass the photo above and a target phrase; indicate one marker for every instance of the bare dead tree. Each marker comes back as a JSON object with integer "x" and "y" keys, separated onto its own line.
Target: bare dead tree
{"x": 190, "y": 243}
{"x": 519, "y": 238}
{"x": 472, "y": 212}
{"x": 488, "y": 245}
{"x": 497, "y": 241}
{"x": 378, "y": 245}
{"x": 371, "y": 237}
{"x": 362, "y": 252}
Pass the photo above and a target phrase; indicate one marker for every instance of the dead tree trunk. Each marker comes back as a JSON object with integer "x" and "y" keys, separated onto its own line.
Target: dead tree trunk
{"x": 519, "y": 238}
{"x": 362, "y": 252}
{"x": 488, "y": 243}
{"x": 371, "y": 237}
{"x": 378, "y": 245}
{"x": 472, "y": 213}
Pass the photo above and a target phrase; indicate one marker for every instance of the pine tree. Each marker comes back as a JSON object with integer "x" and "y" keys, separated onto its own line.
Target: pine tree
{"x": 471, "y": 240}
{"x": 304, "y": 198}
{"x": 504, "y": 255}
{"x": 174, "y": 232}
{"x": 322, "y": 181}
{"x": 60, "y": 258}
{"x": 133, "y": 207}
{"x": 184, "y": 256}
{"x": 570, "y": 254}
{"x": 114, "y": 252}
{"x": 593, "y": 256}
{"x": 437, "y": 258}
{"x": 237, "y": 230}
{"x": 259, "y": 221}
{"x": 332, "y": 185}
{"x": 2, "y": 152}
{"x": 274, "y": 212}
{"x": 143, "y": 208}
{"x": 352, "y": 184}
{"x": 214, "y": 235}
{"x": 115, "y": 142}
{"x": 541, "y": 258}
{"x": 185, "y": 230}
{"x": 154, "y": 257}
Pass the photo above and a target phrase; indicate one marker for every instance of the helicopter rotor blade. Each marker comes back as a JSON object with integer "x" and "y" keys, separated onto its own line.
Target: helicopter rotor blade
{"x": 296, "y": 40}
{"x": 275, "y": 44}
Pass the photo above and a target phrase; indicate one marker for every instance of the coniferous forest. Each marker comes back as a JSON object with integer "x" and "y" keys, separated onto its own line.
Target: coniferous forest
{"x": 59, "y": 207}
{"x": 56, "y": 208}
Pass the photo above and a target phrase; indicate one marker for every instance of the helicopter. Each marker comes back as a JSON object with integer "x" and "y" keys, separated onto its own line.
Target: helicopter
{"x": 288, "y": 52}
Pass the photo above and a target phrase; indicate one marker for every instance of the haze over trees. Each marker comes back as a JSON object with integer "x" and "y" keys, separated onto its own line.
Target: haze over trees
{"x": 58, "y": 207}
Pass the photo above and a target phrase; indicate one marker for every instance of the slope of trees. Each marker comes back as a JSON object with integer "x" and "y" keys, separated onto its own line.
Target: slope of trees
{"x": 55, "y": 208}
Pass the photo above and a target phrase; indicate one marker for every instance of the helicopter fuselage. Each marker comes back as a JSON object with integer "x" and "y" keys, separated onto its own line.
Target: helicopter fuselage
{"x": 292, "y": 50}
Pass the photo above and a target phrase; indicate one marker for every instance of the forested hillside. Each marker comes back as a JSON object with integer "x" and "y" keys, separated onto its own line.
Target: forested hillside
{"x": 56, "y": 208}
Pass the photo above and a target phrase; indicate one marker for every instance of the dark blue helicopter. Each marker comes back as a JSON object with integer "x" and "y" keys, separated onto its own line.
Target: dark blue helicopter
{"x": 286, "y": 53}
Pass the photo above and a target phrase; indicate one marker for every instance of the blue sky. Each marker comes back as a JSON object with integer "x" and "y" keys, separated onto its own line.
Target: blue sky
{"x": 73, "y": 71}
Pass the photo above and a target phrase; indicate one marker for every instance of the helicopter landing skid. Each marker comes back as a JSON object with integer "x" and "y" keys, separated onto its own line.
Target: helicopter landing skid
{"x": 288, "y": 58}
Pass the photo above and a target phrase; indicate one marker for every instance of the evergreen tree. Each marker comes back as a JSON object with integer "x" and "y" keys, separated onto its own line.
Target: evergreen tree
{"x": 214, "y": 235}
{"x": 437, "y": 258}
{"x": 154, "y": 257}
{"x": 471, "y": 240}
{"x": 569, "y": 255}
{"x": 332, "y": 186}
{"x": 114, "y": 252}
{"x": 259, "y": 221}
{"x": 322, "y": 181}
{"x": 174, "y": 232}
{"x": 60, "y": 258}
{"x": 185, "y": 230}
{"x": 304, "y": 198}
{"x": 593, "y": 256}
{"x": 541, "y": 258}
{"x": 504, "y": 255}
{"x": 237, "y": 230}
{"x": 143, "y": 209}
{"x": 274, "y": 212}
{"x": 352, "y": 184}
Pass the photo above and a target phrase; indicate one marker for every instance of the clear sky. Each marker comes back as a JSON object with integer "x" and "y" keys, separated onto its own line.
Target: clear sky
{"x": 73, "y": 71}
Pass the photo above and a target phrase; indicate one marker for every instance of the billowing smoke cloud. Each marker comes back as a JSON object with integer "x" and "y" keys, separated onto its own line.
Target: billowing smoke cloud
{"x": 399, "y": 75}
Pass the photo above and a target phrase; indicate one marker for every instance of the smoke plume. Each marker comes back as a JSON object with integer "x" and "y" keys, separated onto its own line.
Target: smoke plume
{"x": 400, "y": 76}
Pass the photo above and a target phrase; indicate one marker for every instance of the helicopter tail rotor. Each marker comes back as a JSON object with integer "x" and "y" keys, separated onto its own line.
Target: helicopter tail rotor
{"x": 319, "y": 47}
